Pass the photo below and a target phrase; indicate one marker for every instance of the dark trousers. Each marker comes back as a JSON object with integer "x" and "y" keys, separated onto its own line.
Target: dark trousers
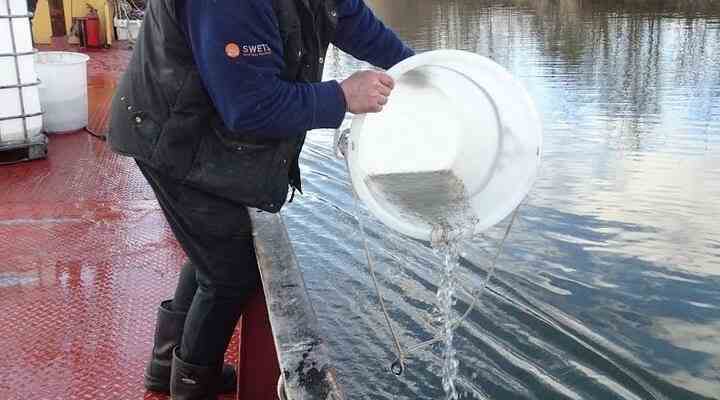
{"x": 221, "y": 274}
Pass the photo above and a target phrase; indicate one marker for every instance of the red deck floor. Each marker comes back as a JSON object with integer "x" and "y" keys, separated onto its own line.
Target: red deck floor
{"x": 86, "y": 258}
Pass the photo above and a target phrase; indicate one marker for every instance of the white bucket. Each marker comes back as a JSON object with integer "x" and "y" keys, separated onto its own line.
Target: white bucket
{"x": 19, "y": 100}
{"x": 121, "y": 27}
{"x": 457, "y": 146}
{"x": 63, "y": 90}
{"x": 133, "y": 28}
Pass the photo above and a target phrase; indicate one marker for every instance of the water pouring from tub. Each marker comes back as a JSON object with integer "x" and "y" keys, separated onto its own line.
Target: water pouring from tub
{"x": 454, "y": 152}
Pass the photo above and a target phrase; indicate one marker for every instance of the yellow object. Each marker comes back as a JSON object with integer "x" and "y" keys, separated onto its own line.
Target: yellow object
{"x": 42, "y": 30}
{"x": 41, "y": 23}
{"x": 108, "y": 23}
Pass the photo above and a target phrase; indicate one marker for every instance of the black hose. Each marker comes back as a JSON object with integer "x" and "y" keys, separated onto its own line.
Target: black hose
{"x": 102, "y": 137}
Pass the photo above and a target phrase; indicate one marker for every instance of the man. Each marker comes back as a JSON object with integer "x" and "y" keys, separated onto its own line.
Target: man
{"x": 214, "y": 107}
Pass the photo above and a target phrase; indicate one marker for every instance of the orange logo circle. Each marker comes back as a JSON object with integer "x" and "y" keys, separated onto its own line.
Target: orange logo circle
{"x": 232, "y": 50}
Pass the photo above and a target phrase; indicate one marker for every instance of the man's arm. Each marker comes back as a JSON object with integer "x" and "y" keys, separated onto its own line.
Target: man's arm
{"x": 238, "y": 50}
{"x": 362, "y": 35}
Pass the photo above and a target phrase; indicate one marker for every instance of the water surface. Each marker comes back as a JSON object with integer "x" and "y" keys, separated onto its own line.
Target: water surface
{"x": 609, "y": 287}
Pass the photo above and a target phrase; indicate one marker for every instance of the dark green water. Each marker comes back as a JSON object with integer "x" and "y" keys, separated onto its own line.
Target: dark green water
{"x": 610, "y": 284}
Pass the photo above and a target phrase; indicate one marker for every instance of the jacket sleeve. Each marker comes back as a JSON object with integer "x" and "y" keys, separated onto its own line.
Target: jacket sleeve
{"x": 362, "y": 35}
{"x": 238, "y": 50}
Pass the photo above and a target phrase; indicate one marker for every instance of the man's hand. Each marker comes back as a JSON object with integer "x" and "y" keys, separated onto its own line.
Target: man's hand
{"x": 367, "y": 91}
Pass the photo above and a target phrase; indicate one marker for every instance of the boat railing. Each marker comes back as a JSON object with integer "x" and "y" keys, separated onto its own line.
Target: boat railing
{"x": 306, "y": 371}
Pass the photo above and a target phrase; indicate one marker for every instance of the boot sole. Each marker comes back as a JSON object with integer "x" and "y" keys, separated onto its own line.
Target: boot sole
{"x": 156, "y": 385}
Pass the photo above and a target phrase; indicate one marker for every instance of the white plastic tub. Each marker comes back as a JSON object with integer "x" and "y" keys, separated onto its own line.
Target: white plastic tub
{"x": 457, "y": 146}
{"x": 19, "y": 101}
{"x": 63, "y": 90}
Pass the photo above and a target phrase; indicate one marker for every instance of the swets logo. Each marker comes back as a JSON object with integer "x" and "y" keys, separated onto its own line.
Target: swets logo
{"x": 254, "y": 50}
{"x": 233, "y": 50}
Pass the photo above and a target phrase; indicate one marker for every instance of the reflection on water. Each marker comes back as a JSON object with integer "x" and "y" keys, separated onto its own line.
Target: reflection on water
{"x": 609, "y": 287}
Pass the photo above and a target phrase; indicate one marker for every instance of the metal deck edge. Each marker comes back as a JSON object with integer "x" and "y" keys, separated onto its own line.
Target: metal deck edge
{"x": 307, "y": 371}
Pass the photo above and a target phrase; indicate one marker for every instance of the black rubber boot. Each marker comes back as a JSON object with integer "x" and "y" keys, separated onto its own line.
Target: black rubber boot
{"x": 193, "y": 382}
{"x": 168, "y": 331}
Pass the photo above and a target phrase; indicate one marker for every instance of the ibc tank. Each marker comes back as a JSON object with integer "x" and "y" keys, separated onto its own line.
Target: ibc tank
{"x": 20, "y": 112}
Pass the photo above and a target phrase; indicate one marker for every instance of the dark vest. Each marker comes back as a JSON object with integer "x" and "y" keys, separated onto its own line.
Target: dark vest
{"x": 163, "y": 116}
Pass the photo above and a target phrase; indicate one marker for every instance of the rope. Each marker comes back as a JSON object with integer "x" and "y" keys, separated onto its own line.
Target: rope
{"x": 281, "y": 388}
{"x": 398, "y": 366}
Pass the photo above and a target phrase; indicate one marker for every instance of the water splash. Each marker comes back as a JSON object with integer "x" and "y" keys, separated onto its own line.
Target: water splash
{"x": 446, "y": 301}
{"x": 455, "y": 222}
{"x": 438, "y": 199}
{"x": 446, "y": 239}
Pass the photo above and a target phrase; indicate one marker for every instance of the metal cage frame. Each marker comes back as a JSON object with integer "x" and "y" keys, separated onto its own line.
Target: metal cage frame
{"x": 27, "y": 149}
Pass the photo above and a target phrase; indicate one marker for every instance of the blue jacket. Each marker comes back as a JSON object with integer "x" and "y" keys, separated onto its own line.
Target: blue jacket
{"x": 239, "y": 53}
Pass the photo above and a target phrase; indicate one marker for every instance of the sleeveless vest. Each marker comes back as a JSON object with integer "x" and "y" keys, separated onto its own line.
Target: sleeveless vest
{"x": 162, "y": 115}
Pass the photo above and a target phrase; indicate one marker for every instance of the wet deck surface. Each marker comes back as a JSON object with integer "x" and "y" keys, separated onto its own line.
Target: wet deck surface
{"x": 87, "y": 256}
